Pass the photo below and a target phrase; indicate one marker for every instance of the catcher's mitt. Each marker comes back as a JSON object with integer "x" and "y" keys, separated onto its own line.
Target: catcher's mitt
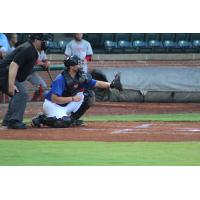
{"x": 116, "y": 83}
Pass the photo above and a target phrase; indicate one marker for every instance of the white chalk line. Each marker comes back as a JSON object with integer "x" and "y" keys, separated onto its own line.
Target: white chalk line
{"x": 131, "y": 130}
{"x": 142, "y": 127}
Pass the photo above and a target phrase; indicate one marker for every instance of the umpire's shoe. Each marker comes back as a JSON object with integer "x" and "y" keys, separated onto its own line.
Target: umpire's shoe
{"x": 15, "y": 124}
{"x": 4, "y": 123}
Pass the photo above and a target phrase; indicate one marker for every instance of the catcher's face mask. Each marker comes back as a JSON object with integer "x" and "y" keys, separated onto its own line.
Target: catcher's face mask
{"x": 78, "y": 67}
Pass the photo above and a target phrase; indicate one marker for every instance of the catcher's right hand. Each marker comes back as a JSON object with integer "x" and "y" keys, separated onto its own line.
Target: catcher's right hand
{"x": 116, "y": 83}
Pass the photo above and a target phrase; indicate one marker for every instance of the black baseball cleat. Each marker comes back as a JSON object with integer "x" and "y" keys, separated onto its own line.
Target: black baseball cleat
{"x": 15, "y": 124}
{"x": 4, "y": 123}
{"x": 37, "y": 120}
{"x": 78, "y": 122}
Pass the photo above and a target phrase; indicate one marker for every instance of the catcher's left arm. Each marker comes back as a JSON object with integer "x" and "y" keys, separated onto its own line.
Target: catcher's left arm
{"x": 116, "y": 83}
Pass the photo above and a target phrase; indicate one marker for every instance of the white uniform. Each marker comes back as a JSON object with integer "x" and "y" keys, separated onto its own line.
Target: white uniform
{"x": 81, "y": 49}
{"x": 54, "y": 110}
{"x": 42, "y": 56}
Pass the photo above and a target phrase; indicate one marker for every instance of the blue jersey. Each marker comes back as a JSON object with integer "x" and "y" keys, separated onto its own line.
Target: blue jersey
{"x": 58, "y": 86}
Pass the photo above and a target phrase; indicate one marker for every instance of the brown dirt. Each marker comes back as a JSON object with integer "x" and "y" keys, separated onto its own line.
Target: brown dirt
{"x": 112, "y": 132}
{"x": 116, "y": 131}
{"x": 121, "y": 108}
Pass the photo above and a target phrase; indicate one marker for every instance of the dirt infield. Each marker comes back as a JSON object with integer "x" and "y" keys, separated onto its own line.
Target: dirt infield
{"x": 115, "y": 108}
{"x": 117, "y": 131}
{"x": 112, "y": 132}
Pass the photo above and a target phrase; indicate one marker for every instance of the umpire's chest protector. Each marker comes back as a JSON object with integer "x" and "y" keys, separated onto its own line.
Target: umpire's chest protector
{"x": 72, "y": 85}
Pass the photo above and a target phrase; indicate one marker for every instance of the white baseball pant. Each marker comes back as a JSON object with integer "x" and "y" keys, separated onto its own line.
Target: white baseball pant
{"x": 54, "y": 110}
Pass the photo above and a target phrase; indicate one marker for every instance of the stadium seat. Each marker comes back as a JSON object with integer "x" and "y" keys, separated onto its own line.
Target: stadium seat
{"x": 110, "y": 45}
{"x": 53, "y": 47}
{"x": 168, "y": 41}
{"x": 195, "y": 40}
{"x": 139, "y": 45}
{"x": 49, "y": 44}
{"x": 196, "y": 43}
{"x": 183, "y": 42}
{"x": 125, "y": 46}
{"x": 62, "y": 45}
{"x": 168, "y": 44}
{"x": 138, "y": 42}
{"x": 106, "y": 37}
{"x": 153, "y": 42}
{"x": 155, "y": 45}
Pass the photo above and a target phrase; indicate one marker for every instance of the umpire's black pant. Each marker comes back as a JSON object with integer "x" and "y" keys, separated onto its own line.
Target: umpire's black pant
{"x": 17, "y": 103}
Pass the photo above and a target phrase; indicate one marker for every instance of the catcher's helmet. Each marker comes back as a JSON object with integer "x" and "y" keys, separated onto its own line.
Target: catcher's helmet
{"x": 72, "y": 61}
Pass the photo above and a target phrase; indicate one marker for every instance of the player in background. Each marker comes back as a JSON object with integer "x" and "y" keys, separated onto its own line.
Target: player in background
{"x": 81, "y": 48}
{"x": 4, "y": 45}
{"x": 12, "y": 39}
{"x": 36, "y": 80}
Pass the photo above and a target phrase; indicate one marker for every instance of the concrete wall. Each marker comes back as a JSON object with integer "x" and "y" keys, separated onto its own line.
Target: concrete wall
{"x": 136, "y": 57}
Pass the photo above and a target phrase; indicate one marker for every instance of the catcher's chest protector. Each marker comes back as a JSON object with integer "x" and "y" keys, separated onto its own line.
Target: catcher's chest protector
{"x": 72, "y": 85}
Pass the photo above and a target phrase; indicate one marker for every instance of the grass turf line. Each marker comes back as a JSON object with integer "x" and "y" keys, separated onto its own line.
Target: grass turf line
{"x": 188, "y": 117}
{"x": 148, "y": 117}
{"x": 68, "y": 153}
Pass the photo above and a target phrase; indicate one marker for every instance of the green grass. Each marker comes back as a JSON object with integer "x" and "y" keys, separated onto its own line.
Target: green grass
{"x": 152, "y": 117}
{"x": 190, "y": 117}
{"x": 98, "y": 153}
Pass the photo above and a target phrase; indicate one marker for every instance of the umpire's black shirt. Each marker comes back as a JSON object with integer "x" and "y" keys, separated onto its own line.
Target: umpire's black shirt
{"x": 25, "y": 56}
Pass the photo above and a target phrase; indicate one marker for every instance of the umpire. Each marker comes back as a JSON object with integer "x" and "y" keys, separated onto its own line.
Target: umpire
{"x": 14, "y": 69}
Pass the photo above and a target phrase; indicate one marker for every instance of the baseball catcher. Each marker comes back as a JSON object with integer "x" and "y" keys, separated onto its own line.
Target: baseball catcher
{"x": 70, "y": 96}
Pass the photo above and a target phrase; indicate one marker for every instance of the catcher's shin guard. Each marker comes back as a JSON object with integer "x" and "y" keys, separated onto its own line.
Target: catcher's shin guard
{"x": 88, "y": 101}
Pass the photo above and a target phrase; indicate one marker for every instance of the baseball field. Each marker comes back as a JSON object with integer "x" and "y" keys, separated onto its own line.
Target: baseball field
{"x": 117, "y": 134}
